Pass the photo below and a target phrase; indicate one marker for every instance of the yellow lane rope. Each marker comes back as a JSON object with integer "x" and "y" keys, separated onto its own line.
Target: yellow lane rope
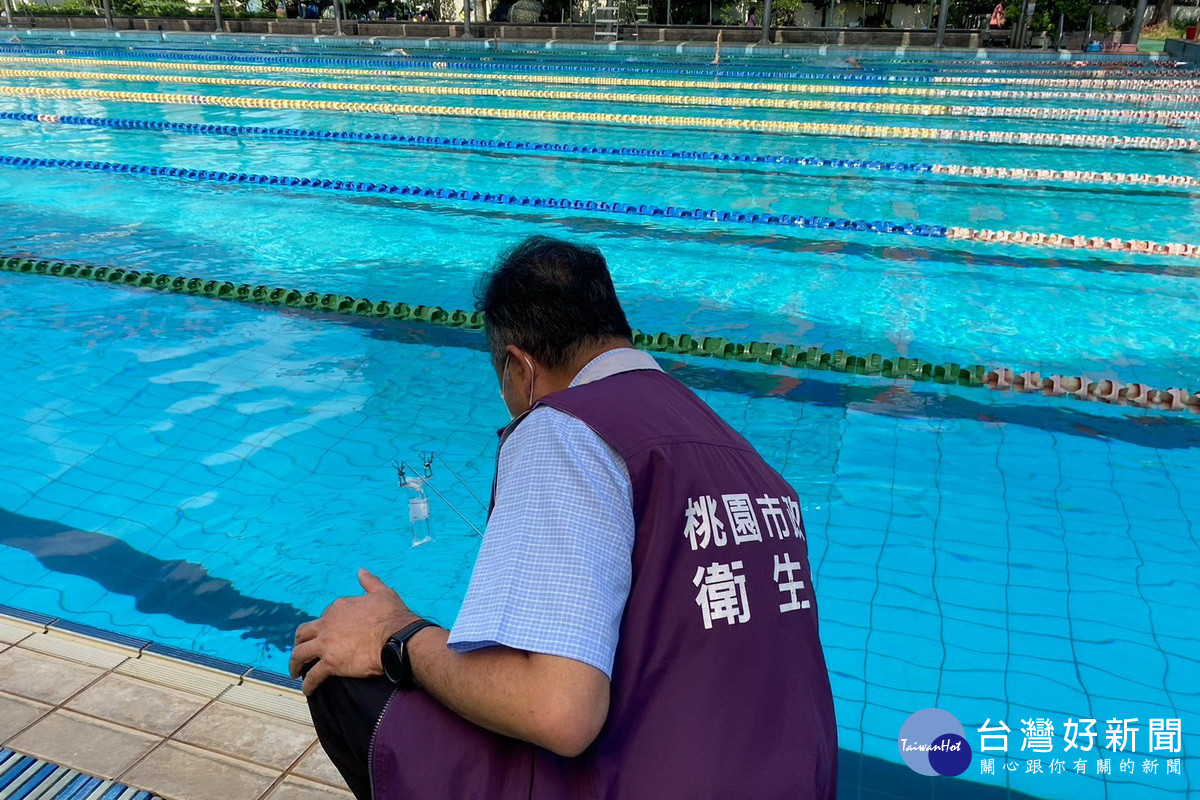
{"x": 924, "y": 110}
{"x": 640, "y": 120}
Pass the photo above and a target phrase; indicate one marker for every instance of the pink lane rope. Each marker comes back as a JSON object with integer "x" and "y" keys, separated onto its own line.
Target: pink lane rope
{"x": 1075, "y": 242}
{"x": 1065, "y": 176}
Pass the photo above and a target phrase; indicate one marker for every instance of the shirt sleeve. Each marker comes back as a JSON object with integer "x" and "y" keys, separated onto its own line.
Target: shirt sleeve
{"x": 555, "y": 567}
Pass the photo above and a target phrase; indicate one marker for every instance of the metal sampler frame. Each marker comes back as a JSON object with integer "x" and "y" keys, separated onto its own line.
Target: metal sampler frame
{"x": 421, "y": 479}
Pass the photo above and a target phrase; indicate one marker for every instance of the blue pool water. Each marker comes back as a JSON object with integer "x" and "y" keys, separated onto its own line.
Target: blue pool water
{"x": 207, "y": 474}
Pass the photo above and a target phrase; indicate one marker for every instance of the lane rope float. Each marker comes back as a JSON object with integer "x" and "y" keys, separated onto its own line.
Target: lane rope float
{"x": 1123, "y": 115}
{"x": 1032, "y": 239}
{"x": 1155, "y": 143}
{"x": 588, "y": 80}
{"x": 986, "y": 173}
{"x": 1095, "y": 79}
{"x": 797, "y": 356}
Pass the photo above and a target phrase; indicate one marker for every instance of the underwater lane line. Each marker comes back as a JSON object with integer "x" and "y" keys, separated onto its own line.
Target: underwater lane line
{"x": 710, "y": 158}
{"x": 785, "y": 221}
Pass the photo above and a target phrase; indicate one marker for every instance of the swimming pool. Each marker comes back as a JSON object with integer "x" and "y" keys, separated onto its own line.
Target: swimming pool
{"x": 207, "y": 474}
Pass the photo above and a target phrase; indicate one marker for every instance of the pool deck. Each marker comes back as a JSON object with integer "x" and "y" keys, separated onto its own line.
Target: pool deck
{"x": 182, "y": 731}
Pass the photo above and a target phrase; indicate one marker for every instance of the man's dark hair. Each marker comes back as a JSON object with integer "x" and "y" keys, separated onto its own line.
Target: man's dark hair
{"x": 551, "y": 298}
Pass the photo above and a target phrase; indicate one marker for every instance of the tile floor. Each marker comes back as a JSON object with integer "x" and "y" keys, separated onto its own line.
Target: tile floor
{"x": 181, "y": 731}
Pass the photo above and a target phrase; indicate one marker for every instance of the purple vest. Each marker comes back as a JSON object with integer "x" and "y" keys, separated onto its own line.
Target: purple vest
{"x": 719, "y": 688}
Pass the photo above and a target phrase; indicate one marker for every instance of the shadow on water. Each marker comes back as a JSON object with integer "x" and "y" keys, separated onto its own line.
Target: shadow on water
{"x": 863, "y": 777}
{"x": 181, "y": 589}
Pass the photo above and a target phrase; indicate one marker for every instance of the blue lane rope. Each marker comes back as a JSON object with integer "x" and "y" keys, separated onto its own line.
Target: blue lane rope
{"x": 465, "y": 144}
{"x": 362, "y": 187}
{"x": 474, "y": 64}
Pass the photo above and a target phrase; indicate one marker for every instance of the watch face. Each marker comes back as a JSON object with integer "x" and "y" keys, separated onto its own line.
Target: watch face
{"x": 392, "y": 658}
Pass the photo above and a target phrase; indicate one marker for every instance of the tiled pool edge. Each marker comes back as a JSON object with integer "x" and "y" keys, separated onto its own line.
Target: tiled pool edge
{"x": 244, "y": 735}
{"x": 232, "y": 668}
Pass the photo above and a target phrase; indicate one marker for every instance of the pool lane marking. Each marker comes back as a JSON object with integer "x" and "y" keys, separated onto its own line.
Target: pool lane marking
{"x": 1156, "y": 143}
{"x": 1114, "y": 115}
{"x": 898, "y": 368}
{"x": 707, "y": 157}
{"x": 1024, "y": 238}
{"x": 591, "y": 80}
{"x": 1089, "y": 79}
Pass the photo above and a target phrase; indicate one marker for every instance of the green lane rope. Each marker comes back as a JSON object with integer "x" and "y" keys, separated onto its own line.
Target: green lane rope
{"x": 797, "y": 356}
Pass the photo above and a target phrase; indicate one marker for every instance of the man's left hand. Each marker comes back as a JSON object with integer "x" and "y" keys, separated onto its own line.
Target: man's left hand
{"x": 348, "y": 637}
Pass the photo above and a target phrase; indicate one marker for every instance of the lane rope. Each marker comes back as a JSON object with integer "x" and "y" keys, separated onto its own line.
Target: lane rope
{"x": 504, "y": 145}
{"x": 797, "y": 356}
{"x": 1099, "y": 79}
{"x": 640, "y": 120}
{"x": 1123, "y": 115}
{"x": 1033, "y": 239}
{"x": 587, "y": 80}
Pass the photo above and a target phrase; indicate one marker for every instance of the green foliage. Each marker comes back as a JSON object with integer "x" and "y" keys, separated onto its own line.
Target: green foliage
{"x": 68, "y": 8}
{"x": 960, "y": 10}
{"x": 135, "y": 8}
{"x": 1162, "y": 30}
{"x": 783, "y": 13}
{"x": 1074, "y": 12}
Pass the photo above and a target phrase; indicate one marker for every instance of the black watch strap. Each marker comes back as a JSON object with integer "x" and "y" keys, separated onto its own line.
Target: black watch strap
{"x": 397, "y": 665}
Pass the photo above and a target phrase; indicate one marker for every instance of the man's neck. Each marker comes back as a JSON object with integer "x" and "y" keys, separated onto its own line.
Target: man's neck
{"x": 561, "y": 379}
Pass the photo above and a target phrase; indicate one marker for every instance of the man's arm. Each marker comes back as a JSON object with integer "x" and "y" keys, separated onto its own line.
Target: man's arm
{"x": 556, "y": 703}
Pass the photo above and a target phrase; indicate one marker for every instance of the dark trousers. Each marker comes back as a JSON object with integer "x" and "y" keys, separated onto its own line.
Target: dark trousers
{"x": 345, "y": 712}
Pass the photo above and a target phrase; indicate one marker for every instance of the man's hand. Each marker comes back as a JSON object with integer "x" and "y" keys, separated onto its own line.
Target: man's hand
{"x": 348, "y": 637}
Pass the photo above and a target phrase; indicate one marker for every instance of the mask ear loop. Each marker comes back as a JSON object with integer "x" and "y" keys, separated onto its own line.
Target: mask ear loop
{"x": 531, "y": 379}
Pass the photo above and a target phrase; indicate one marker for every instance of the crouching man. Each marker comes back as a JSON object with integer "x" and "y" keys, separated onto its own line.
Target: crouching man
{"x": 640, "y": 624}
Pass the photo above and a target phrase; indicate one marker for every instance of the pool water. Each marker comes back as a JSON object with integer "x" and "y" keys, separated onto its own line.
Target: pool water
{"x": 209, "y": 474}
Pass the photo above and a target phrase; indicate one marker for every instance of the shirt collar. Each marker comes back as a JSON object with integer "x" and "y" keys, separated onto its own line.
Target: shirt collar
{"x": 614, "y": 362}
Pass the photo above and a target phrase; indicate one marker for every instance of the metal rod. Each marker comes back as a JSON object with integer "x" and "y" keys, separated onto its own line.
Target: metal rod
{"x": 1088, "y": 37}
{"x": 337, "y": 18}
{"x": 943, "y": 13}
{"x": 1139, "y": 16}
{"x": 766, "y": 23}
{"x": 482, "y": 504}
{"x": 467, "y": 19}
{"x": 8, "y": 15}
{"x": 426, "y": 484}
{"x": 1022, "y": 25}
{"x": 217, "y": 14}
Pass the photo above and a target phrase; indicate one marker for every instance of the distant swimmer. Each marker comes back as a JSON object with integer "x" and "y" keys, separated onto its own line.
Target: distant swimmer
{"x": 399, "y": 52}
{"x": 854, "y": 63}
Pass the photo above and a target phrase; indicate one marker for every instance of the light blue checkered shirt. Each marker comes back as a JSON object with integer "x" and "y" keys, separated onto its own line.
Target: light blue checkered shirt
{"x": 555, "y": 567}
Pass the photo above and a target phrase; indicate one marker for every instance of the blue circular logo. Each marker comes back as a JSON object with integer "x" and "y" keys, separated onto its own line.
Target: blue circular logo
{"x": 933, "y": 742}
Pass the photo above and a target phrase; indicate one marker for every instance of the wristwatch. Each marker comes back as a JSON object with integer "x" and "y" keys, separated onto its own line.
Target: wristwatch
{"x": 396, "y": 664}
